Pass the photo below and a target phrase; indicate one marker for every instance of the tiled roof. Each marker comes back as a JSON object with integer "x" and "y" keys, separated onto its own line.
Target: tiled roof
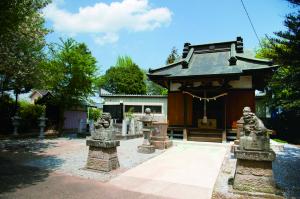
{"x": 215, "y": 59}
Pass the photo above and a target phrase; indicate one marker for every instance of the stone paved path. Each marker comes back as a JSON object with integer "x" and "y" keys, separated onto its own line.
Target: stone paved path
{"x": 188, "y": 170}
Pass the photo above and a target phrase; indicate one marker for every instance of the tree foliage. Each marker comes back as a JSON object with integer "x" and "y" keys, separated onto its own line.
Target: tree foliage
{"x": 94, "y": 114}
{"x": 173, "y": 56}
{"x": 284, "y": 49}
{"x": 70, "y": 73}
{"x": 22, "y": 40}
{"x": 153, "y": 88}
{"x": 124, "y": 78}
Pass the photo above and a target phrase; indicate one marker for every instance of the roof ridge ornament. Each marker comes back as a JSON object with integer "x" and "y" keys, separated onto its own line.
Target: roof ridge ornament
{"x": 186, "y": 47}
{"x": 186, "y": 60}
{"x": 232, "y": 60}
{"x": 239, "y": 45}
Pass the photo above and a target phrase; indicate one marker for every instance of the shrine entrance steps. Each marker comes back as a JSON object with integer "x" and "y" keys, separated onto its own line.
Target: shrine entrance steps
{"x": 205, "y": 135}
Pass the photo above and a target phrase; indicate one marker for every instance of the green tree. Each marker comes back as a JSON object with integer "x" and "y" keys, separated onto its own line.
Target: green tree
{"x": 284, "y": 86}
{"x": 70, "y": 75}
{"x": 94, "y": 113}
{"x": 124, "y": 78}
{"x": 153, "y": 88}
{"x": 22, "y": 40}
{"x": 173, "y": 56}
{"x": 285, "y": 51}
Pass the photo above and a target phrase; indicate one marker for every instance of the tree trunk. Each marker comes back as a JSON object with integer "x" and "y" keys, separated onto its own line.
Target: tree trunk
{"x": 16, "y": 102}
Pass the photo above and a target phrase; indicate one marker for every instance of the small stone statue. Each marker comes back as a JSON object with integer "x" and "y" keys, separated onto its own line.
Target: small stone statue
{"x": 252, "y": 124}
{"x": 103, "y": 121}
{"x": 254, "y": 134}
{"x": 103, "y": 129}
{"x": 103, "y": 146}
{"x": 254, "y": 157}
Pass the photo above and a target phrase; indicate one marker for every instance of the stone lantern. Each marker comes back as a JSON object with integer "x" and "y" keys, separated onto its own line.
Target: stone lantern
{"x": 147, "y": 121}
{"x": 42, "y": 125}
{"x": 102, "y": 146}
{"x": 16, "y": 123}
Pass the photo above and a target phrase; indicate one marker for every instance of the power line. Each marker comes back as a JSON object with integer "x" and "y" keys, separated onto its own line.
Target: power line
{"x": 251, "y": 22}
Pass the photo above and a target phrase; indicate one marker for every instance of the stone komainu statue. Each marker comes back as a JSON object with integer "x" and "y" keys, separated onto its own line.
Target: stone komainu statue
{"x": 252, "y": 124}
{"x": 104, "y": 121}
{"x": 254, "y": 134}
{"x": 103, "y": 128}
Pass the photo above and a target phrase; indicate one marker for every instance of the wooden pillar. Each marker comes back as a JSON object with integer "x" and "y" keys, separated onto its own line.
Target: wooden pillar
{"x": 224, "y": 136}
{"x": 185, "y": 117}
{"x": 184, "y": 134}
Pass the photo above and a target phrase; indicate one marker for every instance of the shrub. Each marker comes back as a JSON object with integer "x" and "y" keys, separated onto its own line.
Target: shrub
{"x": 30, "y": 114}
{"x": 94, "y": 114}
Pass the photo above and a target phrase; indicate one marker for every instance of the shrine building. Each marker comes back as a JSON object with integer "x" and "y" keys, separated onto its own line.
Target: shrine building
{"x": 208, "y": 88}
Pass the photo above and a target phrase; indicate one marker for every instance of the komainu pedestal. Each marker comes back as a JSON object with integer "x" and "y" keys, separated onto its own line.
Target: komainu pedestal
{"x": 102, "y": 155}
{"x": 102, "y": 146}
{"x": 254, "y": 157}
{"x": 254, "y": 171}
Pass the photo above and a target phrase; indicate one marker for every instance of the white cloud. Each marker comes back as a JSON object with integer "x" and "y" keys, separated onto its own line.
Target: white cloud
{"x": 106, "y": 38}
{"x": 108, "y": 20}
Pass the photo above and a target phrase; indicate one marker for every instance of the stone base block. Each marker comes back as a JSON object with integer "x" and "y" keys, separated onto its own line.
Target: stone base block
{"x": 146, "y": 149}
{"x": 254, "y": 176}
{"x": 162, "y": 144}
{"x": 102, "y": 143}
{"x": 255, "y": 155}
{"x": 102, "y": 159}
{"x": 102, "y": 165}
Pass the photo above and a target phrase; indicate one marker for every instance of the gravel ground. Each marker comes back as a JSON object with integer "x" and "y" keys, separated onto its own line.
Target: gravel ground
{"x": 286, "y": 170}
{"x": 68, "y": 156}
{"x": 26, "y": 162}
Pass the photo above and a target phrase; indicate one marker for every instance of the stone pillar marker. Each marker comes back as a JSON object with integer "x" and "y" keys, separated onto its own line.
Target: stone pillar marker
{"x": 254, "y": 157}
{"x": 102, "y": 146}
{"x": 42, "y": 125}
{"x": 147, "y": 121}
{"x": 16, "y": 123}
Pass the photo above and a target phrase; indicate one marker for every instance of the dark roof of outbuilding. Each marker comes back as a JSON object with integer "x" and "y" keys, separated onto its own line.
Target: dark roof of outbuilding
{"x": 214, "y": 59}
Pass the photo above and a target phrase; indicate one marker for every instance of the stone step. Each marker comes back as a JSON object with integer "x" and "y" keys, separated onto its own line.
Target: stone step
{"x": 205, "y": 134}
{"x": 205, "y": 139}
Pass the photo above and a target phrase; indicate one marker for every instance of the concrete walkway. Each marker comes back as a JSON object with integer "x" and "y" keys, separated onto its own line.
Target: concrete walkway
{"x": 188, "y": 170}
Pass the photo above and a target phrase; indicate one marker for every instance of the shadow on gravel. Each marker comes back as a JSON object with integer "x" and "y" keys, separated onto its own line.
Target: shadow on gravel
{"x": 286, "y": 168}
{"x": 23, "y": 165}
{"x": 25, "y": 145}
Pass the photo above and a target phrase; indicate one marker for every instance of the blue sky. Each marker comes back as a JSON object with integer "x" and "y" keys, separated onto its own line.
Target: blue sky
{"x": 147, "y": 30}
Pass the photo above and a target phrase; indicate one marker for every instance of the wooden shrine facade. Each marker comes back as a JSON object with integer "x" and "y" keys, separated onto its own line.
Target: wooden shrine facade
{"x": 209, "y": 86}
